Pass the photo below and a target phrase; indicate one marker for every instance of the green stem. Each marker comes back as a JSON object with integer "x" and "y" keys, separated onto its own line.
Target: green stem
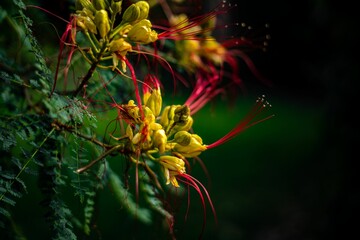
{"x": 91, "y": 70}
{"x": 28, "y": 161}
{"x": 102, "y": 156}
{"x": 91, "y": 39}
{"x": 120, "y": 27}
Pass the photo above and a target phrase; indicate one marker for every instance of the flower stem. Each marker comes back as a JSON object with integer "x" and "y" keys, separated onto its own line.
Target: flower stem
{"x": 89, "y": 74}
{"x": 102, "y": 156}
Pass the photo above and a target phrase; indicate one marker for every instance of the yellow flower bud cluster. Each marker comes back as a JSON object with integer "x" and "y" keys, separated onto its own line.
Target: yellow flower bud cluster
{"x": 98, "y": 16}
{"x": 97, "y": 19}
{"x": 163, "y": 136}
{"x": 92, "y": 16}
{"x": 196, "y": 42}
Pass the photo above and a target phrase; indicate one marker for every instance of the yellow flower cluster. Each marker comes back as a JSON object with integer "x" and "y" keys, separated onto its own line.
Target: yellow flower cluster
{"x": 96, "y": 19}
{"x": 164, "y": 134}
{"x": 196, "y": 43}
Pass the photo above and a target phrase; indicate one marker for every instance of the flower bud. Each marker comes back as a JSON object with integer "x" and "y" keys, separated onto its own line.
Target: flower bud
{"x": 136, "y": 139}
{"x": 144, "y": 9}
{"x": 120, "y": 47}
{"x": 183, "y": 138}
{"x": 181, "y": 22}
{"x": 155, "y": 102}
{"x": 176, "y": 118}
{"x": 81, "y": 4}
{"x": 164, "y": 120}
{"x": 172, "y": 166}
{"x": 129, "y": 132}
{"x": 133, "y": 111}
{"x": 102, "y": 22}
{"x": 99, "y": 4}
{"x": 181, "y": 114}
{"x": 213, "y": 50}
{"x": 155, "y": 126}
{"x": 188, "y": 145}
{"x": 141, "y": 32}
{"x": 167, "y": 116}
{"x": 150, "y": 118}
{"x": 86, "y": 24}
{"x": 170, "y": 177}
{"x": 209, "y": 25}
{"x": 152, "y": 94}
{"x": 131, "y": 14}
{"x": 116, "y": 7}
{"x": 150, "y": 81}
{"x": 182, "y": 126}
{"x": 160, "y": 140}
{"x": 173, "y": 163}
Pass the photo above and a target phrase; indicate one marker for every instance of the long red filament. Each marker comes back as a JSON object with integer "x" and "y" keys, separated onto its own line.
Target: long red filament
{"x": 247, "y": 122}
{"x": 137, "y": 93}
{"x": 193, "y": 182}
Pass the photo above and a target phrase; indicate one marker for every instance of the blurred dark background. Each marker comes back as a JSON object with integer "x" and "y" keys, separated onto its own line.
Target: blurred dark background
{"x": 303, "y": 184}
{"x": 293, "y": 176}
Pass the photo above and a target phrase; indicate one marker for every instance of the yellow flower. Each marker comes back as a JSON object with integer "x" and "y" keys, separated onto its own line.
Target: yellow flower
{"x": 181, "y": 22}
{"x": 84, "y": 4}
{"x": 136, "y": 12}
{"x": 160, "y": 140}
{"x": 188, "y": 53}
{"x": 120, "y": 47}
{"x": 85, "y": 20}
{"x": 187, "y": 144}
{"x": 213, "y": 50}
{"x": 102, "y": 22}
{"x": 172, "y": 166}
{"x": 152, "y": 94}
{"x": 176, "y": 118}
{"x": 86, "y": 24}
{"x": 141, "y": 32}
{"x": 99, "y": 4}
{"x": 144, "y": 9}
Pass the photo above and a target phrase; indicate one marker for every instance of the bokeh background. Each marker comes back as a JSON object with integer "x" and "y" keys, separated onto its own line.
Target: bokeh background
{"x": 291, "y": 177}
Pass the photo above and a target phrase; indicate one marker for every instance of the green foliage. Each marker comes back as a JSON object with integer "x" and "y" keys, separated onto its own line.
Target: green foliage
{"x": 47, "y": 136}
{"x": 90, "y": 115}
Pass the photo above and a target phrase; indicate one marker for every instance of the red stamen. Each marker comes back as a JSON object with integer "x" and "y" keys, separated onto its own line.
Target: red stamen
{"x": 164, "y": 63}
{"x": 66, "y": 38}
{"x": 193, "y": 182}
{"x": 133, "y": 77}
{"x": 206, "y": 88}
{"x": 249, "y": 120}
{"x": 188, "y": 181}
{"x": 150, "y": 81}
{"x": 47, "y": 11}
{"x": 180, "y": 32}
